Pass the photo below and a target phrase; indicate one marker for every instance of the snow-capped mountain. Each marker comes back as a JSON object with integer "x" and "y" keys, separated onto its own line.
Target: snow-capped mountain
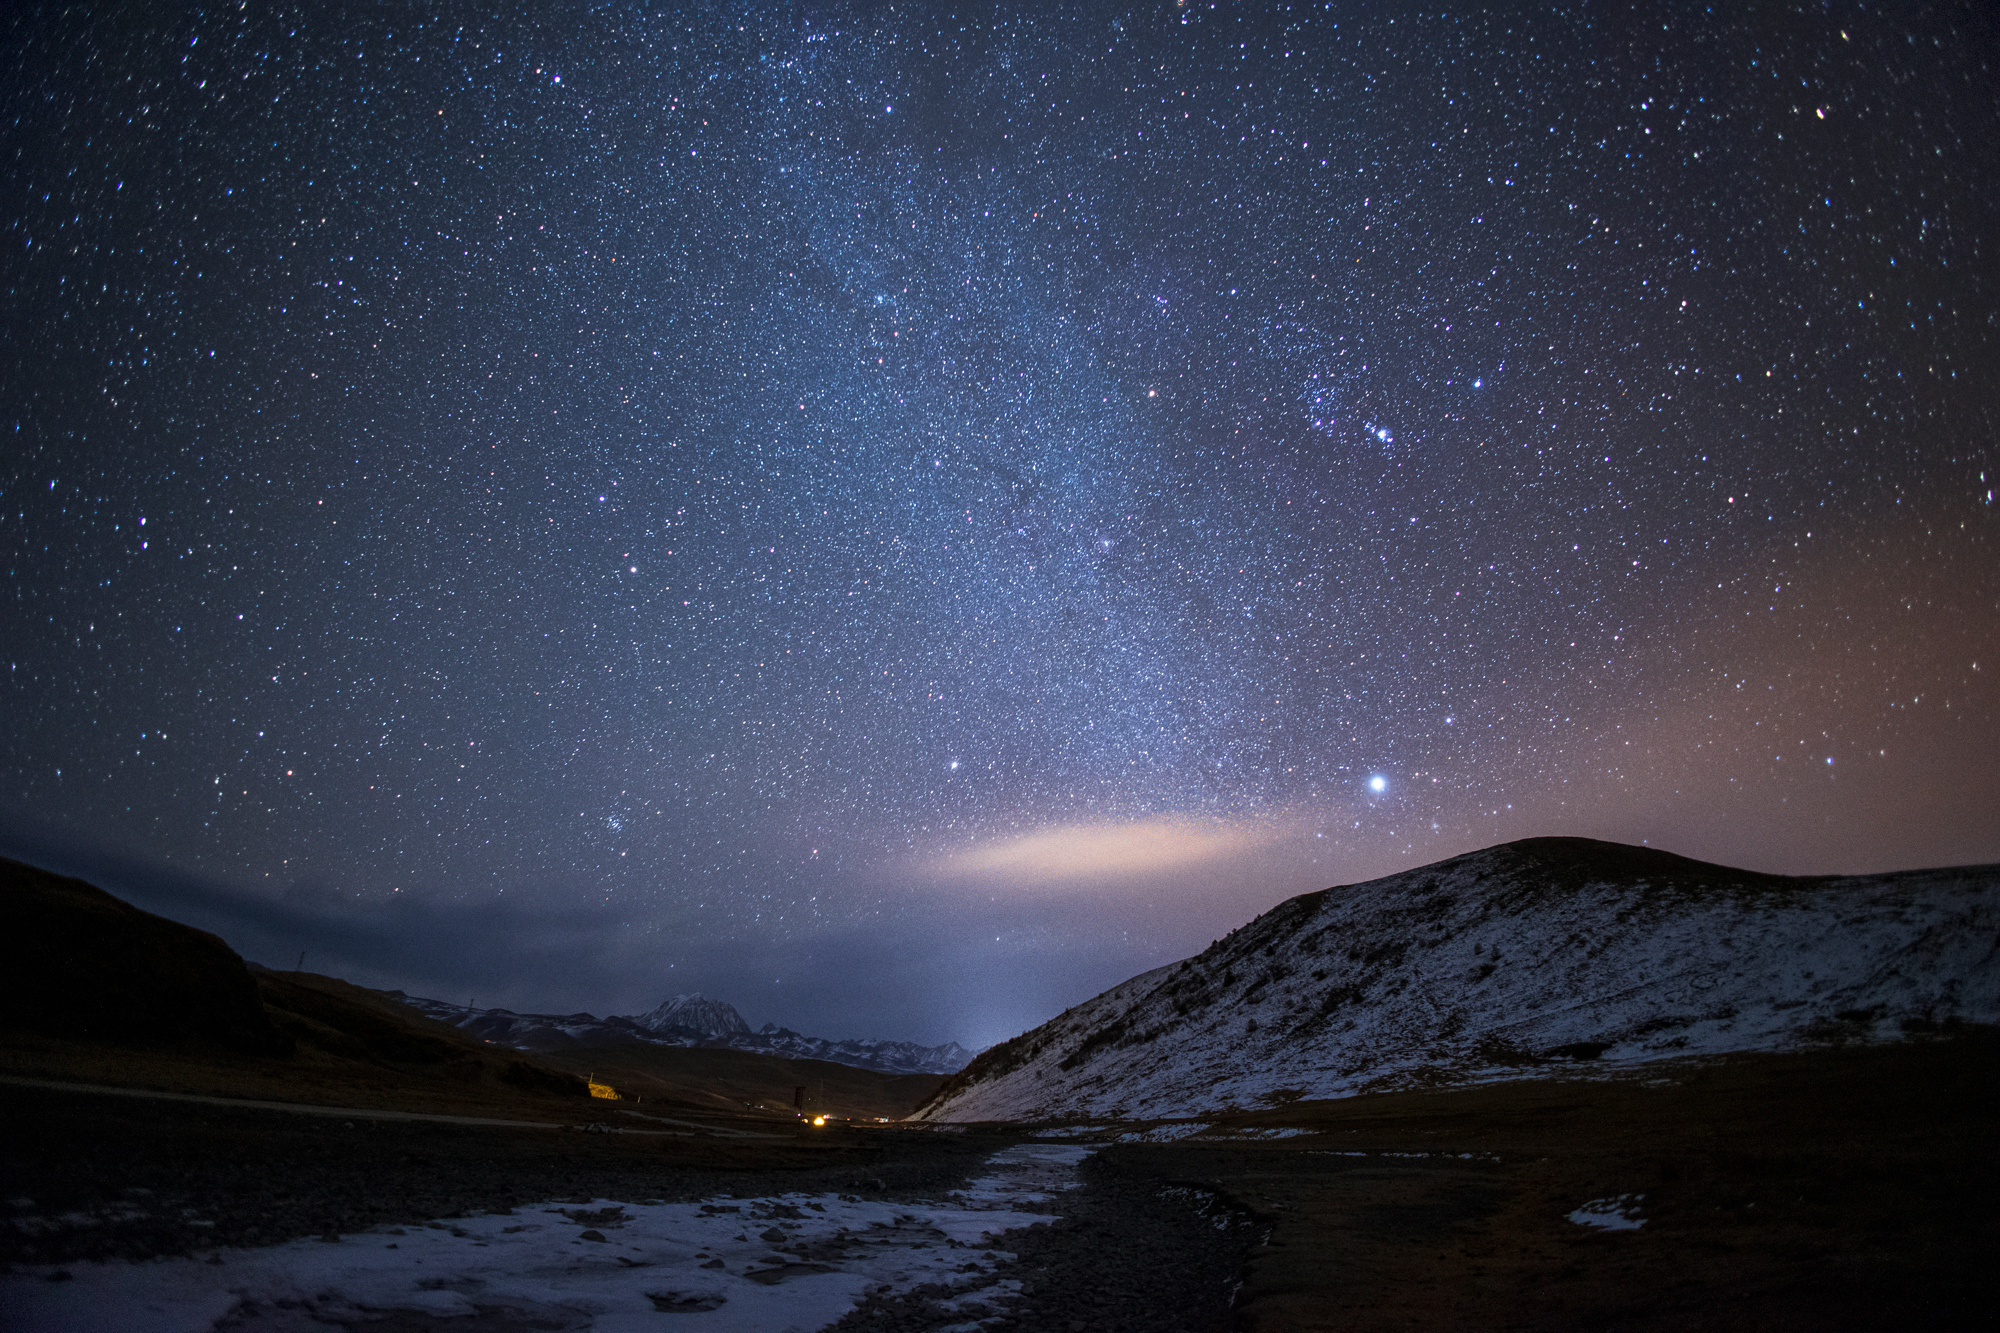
{"x": 540, "y": 1032}
{"x": 890, "y": 1057}
{"x": 693, "y": 1013}
{"x": 1531, "y": 955}
{"x": 688, "y": 1020}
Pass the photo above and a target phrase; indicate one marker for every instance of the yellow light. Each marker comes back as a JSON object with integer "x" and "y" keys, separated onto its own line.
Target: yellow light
{"x": 819, "y": 1120}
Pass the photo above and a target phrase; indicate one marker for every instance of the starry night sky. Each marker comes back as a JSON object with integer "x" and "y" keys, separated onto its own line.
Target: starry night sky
{"x": 900, "y": 520}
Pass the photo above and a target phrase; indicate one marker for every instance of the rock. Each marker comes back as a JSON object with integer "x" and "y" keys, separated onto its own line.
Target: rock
{"x": 592, "y": 1235}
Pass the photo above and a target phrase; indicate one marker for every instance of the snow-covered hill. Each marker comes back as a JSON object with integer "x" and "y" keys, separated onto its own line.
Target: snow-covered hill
{"x": 688, "y": 1020}
{"x": 1531, "y": 955}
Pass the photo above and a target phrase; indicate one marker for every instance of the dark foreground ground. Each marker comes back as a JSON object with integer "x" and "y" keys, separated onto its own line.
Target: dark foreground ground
{"x": 1840, "y": 1189}
{"x": 138, "y": 1178}
{"x": 92, "y": 1178}
{"x": 1844, "y": 1189}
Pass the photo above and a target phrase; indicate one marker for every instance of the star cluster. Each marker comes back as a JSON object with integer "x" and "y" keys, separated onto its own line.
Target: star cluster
{"x": 600, "y": 496}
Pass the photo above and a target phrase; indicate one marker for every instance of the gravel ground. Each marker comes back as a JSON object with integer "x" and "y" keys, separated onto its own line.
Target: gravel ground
{"x": 1135, "y": 1252}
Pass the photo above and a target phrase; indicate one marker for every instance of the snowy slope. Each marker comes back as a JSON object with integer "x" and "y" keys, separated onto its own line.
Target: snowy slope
{"x": 688, "y": 1020}
{"x": 1531, "y": 955}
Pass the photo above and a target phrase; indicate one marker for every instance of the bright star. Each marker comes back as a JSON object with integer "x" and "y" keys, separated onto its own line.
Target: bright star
{"x": 1378, "y": 784}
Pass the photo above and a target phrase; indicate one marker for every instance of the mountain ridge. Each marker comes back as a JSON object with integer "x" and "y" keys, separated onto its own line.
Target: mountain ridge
{"x": 688, "y": 1020}
{"x": 1539, "y": 953}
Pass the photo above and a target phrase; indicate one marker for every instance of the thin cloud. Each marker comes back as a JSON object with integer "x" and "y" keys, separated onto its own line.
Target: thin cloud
{"x": 1099, "y": 852}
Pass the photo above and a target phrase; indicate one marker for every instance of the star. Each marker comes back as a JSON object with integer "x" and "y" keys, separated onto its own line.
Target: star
{"x": 1067, "y": 397}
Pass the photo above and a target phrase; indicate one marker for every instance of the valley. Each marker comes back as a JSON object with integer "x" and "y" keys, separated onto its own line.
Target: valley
{"x": 1840, "y": 1189}
{"x": 1818, "y": 1152}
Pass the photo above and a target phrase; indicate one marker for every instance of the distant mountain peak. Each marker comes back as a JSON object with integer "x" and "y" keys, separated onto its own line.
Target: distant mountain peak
{"x": 694, "y": 1012}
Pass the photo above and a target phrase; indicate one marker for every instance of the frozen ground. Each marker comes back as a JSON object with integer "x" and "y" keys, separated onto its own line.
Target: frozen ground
{"x": 787, "y": 1262}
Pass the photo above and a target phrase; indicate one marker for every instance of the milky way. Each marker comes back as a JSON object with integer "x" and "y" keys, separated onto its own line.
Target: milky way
{"x": 902, "y": 520}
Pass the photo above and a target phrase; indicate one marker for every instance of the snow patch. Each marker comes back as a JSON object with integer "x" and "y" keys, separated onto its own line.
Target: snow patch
{"x": 1620, "y": 1213}
{"x": 1163, "y": 1133}
{"x": 783, "y": 1262}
